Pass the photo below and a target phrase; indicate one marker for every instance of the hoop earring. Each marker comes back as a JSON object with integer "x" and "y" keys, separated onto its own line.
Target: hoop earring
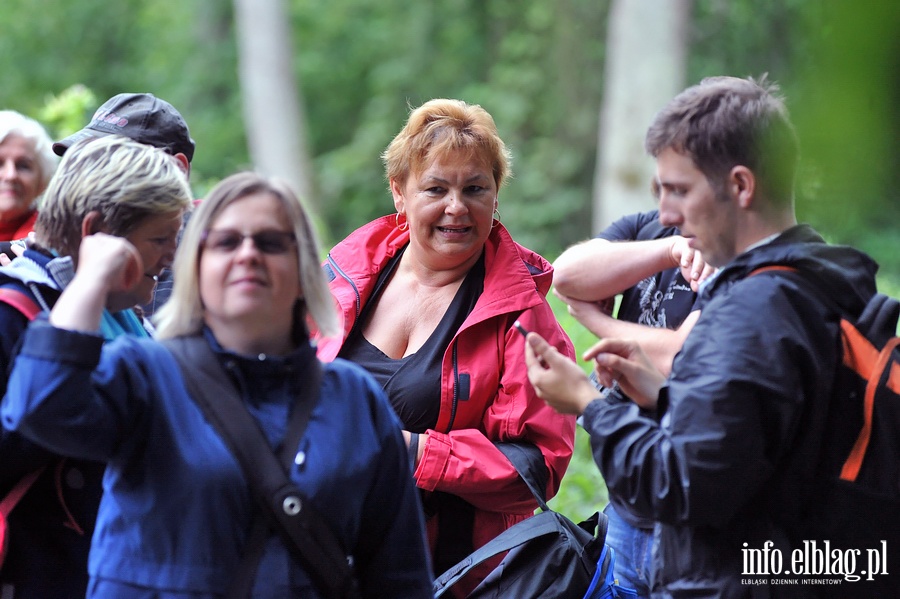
{"x": 496, "y": 218}
{"x": 401, "y": 227}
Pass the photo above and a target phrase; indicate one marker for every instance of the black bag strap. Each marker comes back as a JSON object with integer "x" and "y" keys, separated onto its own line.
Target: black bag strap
{"x": 528, "y": 461}
{"x": 538, "y": 525}
{"x": 314, "y": 542}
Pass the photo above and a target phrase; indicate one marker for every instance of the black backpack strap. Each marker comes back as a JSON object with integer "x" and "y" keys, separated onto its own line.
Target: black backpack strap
{"x": 539, "y": 525}
{"x": 314, "y": 543}
{"x": 528, "y": 461}
{"x": 457, "y": 516}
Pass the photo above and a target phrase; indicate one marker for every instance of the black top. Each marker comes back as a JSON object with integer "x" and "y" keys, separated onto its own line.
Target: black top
{"x": 663, "y": 299}
{"x": 413, "y": 383}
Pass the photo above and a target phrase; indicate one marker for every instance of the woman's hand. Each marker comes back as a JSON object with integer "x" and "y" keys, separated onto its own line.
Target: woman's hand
{"x": 556, "y": 379}
{"x": 106, "y": 264}
{"x": 624, "y": 362}
{"x": 111, "y": 261}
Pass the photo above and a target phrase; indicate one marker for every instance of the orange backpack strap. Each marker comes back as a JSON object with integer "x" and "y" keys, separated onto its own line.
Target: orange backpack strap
{"x": 875, "y": 362}
{"x": 780, "y": 267}
{"x": 20, "y": 301}
{"x": 870, "y": 363}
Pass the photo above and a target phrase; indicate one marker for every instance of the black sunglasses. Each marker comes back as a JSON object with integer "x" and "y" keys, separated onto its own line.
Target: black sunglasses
{"x": 269, "y": 241}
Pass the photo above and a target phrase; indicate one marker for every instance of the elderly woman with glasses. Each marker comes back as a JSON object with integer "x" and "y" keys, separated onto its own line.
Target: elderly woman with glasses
{"x": 177, "y": 513}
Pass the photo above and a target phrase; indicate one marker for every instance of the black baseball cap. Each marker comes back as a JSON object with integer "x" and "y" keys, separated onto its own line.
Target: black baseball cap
{"x": 142, "y": 117}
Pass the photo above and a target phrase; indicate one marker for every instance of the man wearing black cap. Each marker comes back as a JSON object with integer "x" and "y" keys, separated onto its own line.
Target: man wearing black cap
{"x": 145, "y": 119}
{"x": 148, "y": 120}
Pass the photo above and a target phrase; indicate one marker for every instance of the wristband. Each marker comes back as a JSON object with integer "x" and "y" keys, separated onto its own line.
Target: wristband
{"x": 413, "y": 449}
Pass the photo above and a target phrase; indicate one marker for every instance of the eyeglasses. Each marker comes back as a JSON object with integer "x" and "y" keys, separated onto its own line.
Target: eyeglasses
{"x": 269, "y": 241}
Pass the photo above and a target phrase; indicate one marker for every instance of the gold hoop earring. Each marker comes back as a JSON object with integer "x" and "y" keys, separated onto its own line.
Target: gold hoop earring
{"x": 400, "y": 227}
{"x": 496, "y": 218}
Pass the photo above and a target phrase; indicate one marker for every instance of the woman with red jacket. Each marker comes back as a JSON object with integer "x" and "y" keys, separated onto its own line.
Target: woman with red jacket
{"x": 428, "y": 297}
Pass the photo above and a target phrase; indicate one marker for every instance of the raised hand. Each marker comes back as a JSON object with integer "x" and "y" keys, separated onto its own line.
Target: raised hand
{"x": 111, "y": 261}
{"x": 556, "y": 379}
{"x": 693, "y": 267}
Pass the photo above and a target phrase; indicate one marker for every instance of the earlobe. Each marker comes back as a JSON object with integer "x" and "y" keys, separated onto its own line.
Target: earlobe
{"x": 742, "y": 182}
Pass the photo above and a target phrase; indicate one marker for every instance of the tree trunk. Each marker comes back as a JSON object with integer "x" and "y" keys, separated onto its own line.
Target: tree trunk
{"x": 273, "y": 108}
{"x": 646, "y": 53}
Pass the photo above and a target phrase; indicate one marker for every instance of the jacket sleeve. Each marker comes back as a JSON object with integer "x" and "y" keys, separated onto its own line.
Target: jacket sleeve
{"x": 466, "y": 462}
{"x": 736, "y": 399}
{"x": 57, "y": 399}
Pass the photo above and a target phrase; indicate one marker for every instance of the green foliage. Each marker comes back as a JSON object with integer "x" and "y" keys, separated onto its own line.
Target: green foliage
{"x": 63, "y": 115}
{"x": 183, "y": 52}
{"x": 525, "y": 63}
{"x": 848, "y": 121}
{"x": 536, "y": 66}
{"x": 582, "y": 490}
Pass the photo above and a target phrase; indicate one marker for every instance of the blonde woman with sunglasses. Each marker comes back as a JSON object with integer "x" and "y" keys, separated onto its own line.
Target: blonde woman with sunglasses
{"x": 175, "y": 518}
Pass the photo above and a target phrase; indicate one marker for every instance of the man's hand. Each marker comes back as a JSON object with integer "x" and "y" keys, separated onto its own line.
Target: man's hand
{"x": 693, "y": 267}
{"x": 556, "y": 379}
{"x": 623, "y": 361}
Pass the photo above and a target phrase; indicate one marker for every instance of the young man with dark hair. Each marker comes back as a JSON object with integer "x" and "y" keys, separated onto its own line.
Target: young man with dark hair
{"x": 722, "y": 452}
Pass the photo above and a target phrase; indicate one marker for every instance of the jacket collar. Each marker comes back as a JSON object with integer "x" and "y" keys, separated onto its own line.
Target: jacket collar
{"x": 842, "y": 272}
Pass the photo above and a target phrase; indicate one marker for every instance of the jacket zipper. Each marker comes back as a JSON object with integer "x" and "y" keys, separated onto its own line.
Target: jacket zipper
{"x": 350, "y": 281}
{"x": 455, "y": 388}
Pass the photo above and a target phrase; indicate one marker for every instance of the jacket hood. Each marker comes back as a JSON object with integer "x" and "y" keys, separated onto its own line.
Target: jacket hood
{"x": 500, "y": 242}
{"x": 843, "y": 274}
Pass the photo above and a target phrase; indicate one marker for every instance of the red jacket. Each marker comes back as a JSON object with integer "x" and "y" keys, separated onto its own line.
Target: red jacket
{"x": 495, "y": 402}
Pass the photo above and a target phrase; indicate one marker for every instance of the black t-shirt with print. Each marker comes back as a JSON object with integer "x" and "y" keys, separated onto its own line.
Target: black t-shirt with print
{"x": 662, "y": 300}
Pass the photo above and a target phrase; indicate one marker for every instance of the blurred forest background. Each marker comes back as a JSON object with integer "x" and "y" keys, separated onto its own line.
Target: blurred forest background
{"x": 315, "y": 89}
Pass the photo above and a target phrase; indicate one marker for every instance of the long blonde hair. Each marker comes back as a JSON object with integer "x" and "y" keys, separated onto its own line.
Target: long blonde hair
{"x": 183, "y": 313}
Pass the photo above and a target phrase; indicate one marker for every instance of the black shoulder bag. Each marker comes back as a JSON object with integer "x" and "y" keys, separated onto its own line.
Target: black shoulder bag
{"x": 282, "y": 505}
{"x": 548, "y": 556}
